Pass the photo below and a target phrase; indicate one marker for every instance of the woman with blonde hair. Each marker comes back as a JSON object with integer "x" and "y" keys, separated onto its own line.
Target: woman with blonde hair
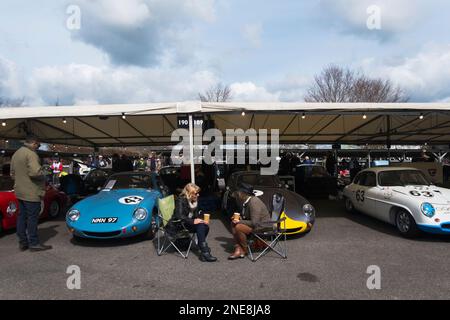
{"x": 187, "y": 211}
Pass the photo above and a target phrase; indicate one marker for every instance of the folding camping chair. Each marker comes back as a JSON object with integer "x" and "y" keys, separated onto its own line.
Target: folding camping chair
{"x": 169, "y": 233}
{"x": 271, "y": 233}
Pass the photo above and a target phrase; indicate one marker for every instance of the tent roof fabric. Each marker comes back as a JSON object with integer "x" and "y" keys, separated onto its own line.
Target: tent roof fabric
{"x": 153, "y": 123}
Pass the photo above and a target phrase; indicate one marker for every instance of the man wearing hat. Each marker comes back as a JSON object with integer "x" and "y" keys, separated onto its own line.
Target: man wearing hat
{"x": 29, "y": 187}
{"x": 254, "y": 211}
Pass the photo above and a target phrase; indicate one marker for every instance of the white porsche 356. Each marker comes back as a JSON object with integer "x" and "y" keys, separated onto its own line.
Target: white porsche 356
{"x": 400, "y": 196}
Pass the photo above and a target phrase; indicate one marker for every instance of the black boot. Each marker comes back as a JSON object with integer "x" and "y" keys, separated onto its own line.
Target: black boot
{"x": 205, "y": 253}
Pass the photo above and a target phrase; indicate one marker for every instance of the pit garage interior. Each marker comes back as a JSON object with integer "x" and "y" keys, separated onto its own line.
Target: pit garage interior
{"x": 329, "y": 262}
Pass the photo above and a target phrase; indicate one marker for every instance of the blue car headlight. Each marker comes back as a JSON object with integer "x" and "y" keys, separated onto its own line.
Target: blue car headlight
{"x": 73, "y": 215}
{"x": 309, "y": 210}
{"x": 140, "y": 214}
{"x": 428, "y": 209}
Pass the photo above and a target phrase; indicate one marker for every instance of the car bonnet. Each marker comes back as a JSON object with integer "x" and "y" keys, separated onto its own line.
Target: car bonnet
{"x": 123, "y": 201}
{"x": 430, "y": 194}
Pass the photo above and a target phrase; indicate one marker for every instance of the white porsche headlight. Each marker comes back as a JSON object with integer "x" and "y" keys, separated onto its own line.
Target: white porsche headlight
{"x": 428, "y": 209}
{"x": 309, "y": 210}
{"x": 140, "y": 214}
{"x": 12, "y": 209}
{"x": 73, "y": 215}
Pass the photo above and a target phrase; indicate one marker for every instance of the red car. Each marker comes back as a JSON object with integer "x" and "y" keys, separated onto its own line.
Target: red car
{"x": 54, "y": 202}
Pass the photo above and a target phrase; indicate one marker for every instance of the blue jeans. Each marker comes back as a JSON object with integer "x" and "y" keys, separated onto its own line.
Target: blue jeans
{"x": 201, "y": 230}
{"x": 27, "y": 222}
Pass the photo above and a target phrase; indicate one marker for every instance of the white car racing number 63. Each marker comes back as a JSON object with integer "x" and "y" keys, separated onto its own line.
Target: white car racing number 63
{"x": 360, "y": 195}
{"x": 426, "y": 194}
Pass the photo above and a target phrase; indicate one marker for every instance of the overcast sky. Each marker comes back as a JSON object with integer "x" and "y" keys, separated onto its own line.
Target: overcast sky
{"x": 169, "y": 50}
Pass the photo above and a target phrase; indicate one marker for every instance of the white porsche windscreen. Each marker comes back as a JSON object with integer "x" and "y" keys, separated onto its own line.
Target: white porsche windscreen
{"x": 402, "y": 178}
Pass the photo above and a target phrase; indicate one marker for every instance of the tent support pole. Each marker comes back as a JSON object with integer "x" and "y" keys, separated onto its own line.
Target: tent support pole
{"x": 191, "y": 148}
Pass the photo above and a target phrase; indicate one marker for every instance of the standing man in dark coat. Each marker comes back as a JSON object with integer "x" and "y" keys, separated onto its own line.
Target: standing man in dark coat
{"x": 330, "y": 164}
{"x": 29, "y": 187}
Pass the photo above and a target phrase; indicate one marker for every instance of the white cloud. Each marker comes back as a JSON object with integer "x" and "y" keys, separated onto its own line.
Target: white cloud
{"x": 9, "y": 80}
{"x": 83, "y": 84}
{"x": 130, "y": 13}
{"x": 396, "y": 16}
{"x": 253, "y": 33}
{"x": 425, "y": 76}
{"x": 248, "y": 91}
{"x": 291, "y": 88}
{"x": 202, "y": 9}
{"x": 140, "y": 32}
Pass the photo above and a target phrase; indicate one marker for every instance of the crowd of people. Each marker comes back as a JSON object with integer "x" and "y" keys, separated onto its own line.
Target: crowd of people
{"x": 290, "y": 161}
{"x": 60, "y": 166}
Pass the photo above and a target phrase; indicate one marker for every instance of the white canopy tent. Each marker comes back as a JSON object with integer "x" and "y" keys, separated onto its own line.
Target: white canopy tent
{"x": 152, "y": 124}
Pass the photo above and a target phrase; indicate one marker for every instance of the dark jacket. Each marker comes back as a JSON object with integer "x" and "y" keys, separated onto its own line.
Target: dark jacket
{"x": 256, "y": 211}
{"x": 182, "y": 210}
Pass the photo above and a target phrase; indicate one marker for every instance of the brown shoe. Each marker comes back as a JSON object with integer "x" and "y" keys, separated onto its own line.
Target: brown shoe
{"x": 238, "y": 253}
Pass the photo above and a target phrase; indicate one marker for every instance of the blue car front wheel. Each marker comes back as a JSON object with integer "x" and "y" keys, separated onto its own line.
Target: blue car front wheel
{"x": 151, "y": 232}
{"x": 76, "y": 238}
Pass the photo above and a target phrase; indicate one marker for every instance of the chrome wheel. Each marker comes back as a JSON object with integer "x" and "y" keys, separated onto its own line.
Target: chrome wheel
{"x": 403, "y": 222}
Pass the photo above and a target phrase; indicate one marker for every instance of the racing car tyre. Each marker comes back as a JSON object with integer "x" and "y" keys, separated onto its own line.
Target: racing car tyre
{"x": 151, "y": 233}
{"x": 349, "y": 206}
{"x": 54, "y": 209}
{"x": 406, "y": 224}
{"x": 1, "y": 224}
{"x": 77, "y": 238}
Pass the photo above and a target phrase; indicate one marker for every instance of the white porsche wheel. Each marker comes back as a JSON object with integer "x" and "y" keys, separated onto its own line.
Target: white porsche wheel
{"x": 405, "y": 224}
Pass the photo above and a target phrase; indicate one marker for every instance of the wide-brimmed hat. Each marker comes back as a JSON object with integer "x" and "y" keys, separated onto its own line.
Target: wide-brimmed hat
{"x": 246, "y": 188}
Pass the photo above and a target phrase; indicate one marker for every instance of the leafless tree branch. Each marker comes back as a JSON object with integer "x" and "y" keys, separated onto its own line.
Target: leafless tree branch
{"x": 218, "y": 93}
{"x": 336, "y": 84}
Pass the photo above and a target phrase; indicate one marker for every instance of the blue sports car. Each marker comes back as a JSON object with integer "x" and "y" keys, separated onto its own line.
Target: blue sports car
{"x": 125, "y": 207}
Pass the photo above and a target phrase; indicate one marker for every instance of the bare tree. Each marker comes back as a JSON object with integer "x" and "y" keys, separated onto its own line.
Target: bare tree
{"x": 5, "y": 102}
{"x": 336, "y": 84}
{"x": 218, "y": 93}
